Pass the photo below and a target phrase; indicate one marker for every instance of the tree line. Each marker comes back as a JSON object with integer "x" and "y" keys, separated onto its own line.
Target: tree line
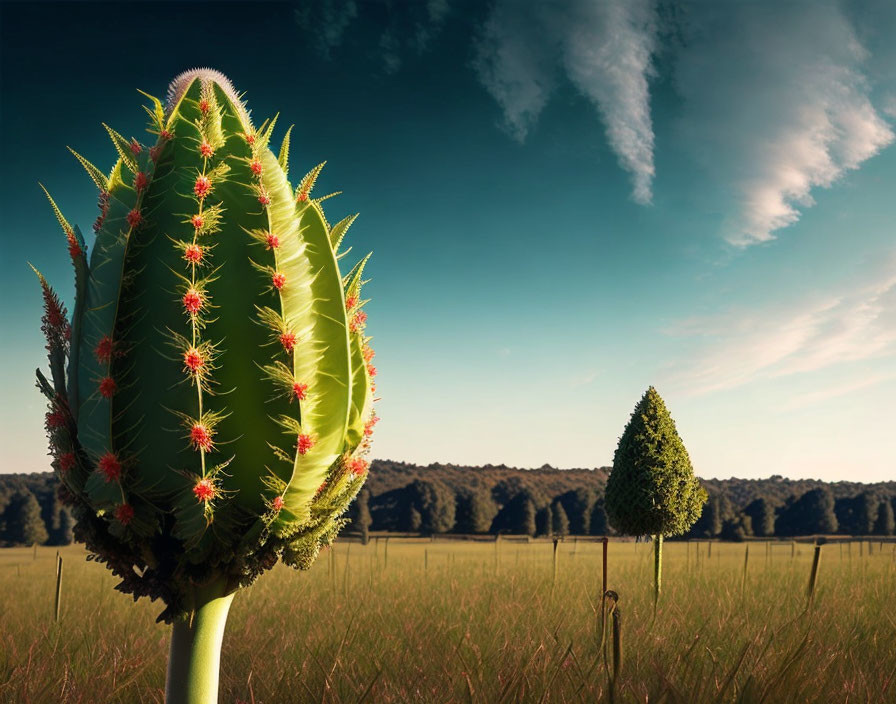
{"x": 437, "y": 499}
{"x": 431, "y": 506}
{"x": 30, "y": 511}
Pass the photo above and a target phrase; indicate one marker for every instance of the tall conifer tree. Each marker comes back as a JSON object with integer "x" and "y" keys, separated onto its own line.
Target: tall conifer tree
{"x": 652, "y": 489}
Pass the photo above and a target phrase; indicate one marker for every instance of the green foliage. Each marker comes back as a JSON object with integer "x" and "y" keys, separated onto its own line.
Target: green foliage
{"x": 736, "y": 528}
{"x": 856, "y": 515}
{"x": 598, "y": 523}
{"x": 761, "y": 513}
{"x": 359, "y": 515}
{"x": 544, "y": 521}
{"x": 517, "y": 516}
{"x": 716, "y": 513}
{"x": 652, "y": 488}
{"x": 578, "y": 504}
{"x": 435, "y": 506}
{"x": 559, "y": 520}
{"x": 475, "y": 510}
{"x": 885, "y": 523}
{"x": 66, "y": 532}
{"x": 23, "y": 524}
{"x": 216, "y": 407}
{"x": 415, "y": 519}
{"x": 526, "y": 525}
{"x": 812, "y": 513}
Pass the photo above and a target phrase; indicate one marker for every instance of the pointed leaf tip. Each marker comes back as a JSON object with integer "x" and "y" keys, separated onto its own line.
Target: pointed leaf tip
{"x": 283, "y": 157}
{"x": 97, "y": 176}
{"x": 59, "y": 216}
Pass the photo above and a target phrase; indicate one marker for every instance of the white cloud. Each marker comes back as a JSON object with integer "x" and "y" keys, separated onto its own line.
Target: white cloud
{"x": 516, "y": 63}
{"x": 776, "y": 104}
{"x": 608, "y": 57}
{"x": 604, "y": 48}
{"x": 739, "y": 347}
{"x": 777, "y": 101}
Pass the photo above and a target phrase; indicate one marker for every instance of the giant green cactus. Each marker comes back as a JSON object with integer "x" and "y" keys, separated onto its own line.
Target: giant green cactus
{"x": 217, "y": 403}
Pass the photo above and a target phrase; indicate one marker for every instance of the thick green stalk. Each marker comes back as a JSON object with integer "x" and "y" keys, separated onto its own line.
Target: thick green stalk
{"x": 657, "y": 568}
{"x": 195, "y": 656}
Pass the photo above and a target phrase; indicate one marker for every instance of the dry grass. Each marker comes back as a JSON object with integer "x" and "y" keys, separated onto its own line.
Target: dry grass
{"x": 438, "y": 624}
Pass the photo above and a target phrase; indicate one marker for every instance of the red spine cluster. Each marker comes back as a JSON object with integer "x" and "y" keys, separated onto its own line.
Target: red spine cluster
{"x": 205, "y": 490}
{"x": 124, "y": 514}
{"x": 54, "y": 322}
{"x": 304, "y": 443}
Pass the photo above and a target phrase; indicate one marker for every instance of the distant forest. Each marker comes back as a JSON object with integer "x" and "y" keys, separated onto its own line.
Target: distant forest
{"x": 407, "y": 498}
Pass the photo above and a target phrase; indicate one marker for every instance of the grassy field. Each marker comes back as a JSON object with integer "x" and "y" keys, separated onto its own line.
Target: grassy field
{"x": 466, "y": 622}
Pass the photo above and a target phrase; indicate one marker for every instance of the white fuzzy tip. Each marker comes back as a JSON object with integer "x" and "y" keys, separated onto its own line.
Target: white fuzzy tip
{"x": 183, "y": 81}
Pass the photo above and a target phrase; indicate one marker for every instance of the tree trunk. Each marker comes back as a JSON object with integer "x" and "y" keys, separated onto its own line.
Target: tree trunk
{"x": 657, "y": 568}
{"x": 194, "y": 659}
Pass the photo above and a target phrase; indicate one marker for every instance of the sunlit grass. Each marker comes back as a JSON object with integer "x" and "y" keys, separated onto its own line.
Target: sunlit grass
{"x": 448, "y": 622}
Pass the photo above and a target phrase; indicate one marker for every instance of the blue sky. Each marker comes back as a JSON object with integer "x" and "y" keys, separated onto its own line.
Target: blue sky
{"x": 566, "y": 203}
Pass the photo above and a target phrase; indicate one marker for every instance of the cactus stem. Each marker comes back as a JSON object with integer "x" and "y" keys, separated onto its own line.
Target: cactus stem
{"x": 194, "y": 659}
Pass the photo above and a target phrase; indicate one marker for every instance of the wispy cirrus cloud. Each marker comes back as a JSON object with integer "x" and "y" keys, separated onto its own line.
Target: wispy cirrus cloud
{"x": 776, "y": 100}
{"x": 738, "y": 347}
{"x": 776, "y": 105}
{"x": 604, "y": 48}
